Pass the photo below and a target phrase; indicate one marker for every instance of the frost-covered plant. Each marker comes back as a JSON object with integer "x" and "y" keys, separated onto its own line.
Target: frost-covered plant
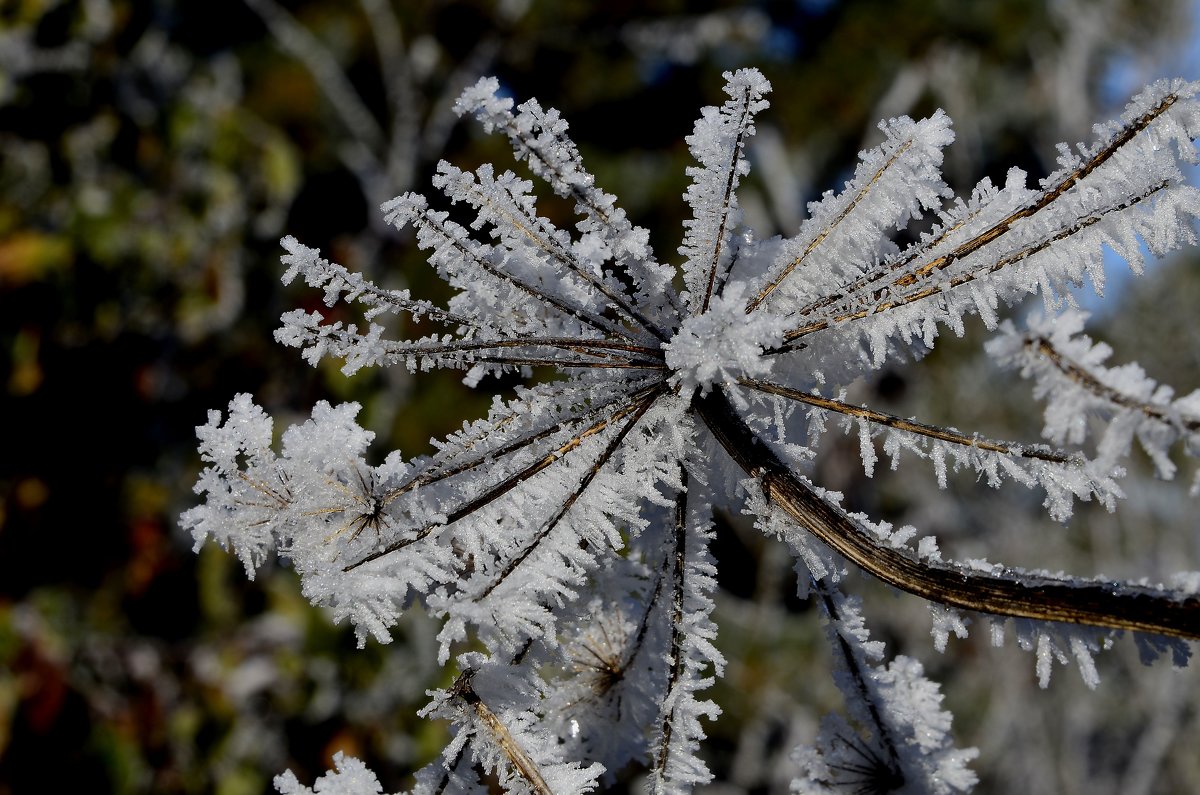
{"x": 565, "y": 538}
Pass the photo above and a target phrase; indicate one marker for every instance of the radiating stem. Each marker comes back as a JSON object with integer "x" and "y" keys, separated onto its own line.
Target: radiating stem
{"x": 587, "y": 479}
{"x": 825, "y": 232}
{"x": 428, "y": 219}
{"x": 878, "y": 304}
{"x": 854, "y": 667}
{"x": 536, "y": 230}
{"x": 727, "y": 199}
{"x": 1111, "y": 604}
{"x": 500, "y": 735}
{"x": 1089, "y": 382}
{"x": 1039, "y": 452}
{"x": 497, "y": 491}
{"x": 675, "y": 675}
{"x": 439, "y": 473}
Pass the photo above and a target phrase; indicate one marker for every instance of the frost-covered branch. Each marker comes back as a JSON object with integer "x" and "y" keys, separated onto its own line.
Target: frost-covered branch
{"x": 509, "y": 483}
{"x": 907, "y": 747}
{"x": 539, "y": 137}
{"x": 341, "y": 284}
{"x": 507, "y": 203}
{"x": 847, "y": 227}
{"x": 692, "y": 579}
{"x": 605, "y": 456}
{"x": 499, "y": 734}
{"x": 1070, "y": 375}
{"x": 304, "y": 330}
{"x": 504, "y": 738}
{"x": 1004, "y": 244}
{"x": 1040, "y": 452}
{"x": 892, "y": 297}
{"x": 717, "y": 144}
{"x": 463, "y": 262}
{"x": 1008, "y": 592}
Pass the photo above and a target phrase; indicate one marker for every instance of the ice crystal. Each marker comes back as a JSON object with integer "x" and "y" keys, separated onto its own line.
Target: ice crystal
{"x": 722, "y": 344}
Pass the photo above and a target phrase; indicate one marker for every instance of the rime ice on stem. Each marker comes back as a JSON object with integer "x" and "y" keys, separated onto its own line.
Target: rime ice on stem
{"x": 566, "y": 534}
{"x": 1070, "y": 375}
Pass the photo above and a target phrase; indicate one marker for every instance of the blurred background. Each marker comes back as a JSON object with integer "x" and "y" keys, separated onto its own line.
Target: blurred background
{"x": 152, "y": 154}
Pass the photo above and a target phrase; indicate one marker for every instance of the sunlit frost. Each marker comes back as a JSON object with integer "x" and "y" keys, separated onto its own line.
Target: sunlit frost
{"x": 722, "y": 344}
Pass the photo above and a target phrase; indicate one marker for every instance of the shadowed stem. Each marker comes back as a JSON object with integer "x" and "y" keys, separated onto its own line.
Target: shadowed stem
{"x": 854, "y": 667}
{"x": 676, "y": 655}
{"x": 450, "y": 765}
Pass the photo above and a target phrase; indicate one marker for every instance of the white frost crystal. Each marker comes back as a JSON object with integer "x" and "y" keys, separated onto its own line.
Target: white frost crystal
{"x": 723, "y": 343}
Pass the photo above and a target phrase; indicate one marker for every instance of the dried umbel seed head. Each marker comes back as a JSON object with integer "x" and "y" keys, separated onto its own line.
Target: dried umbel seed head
{"x": 589, "y": 495}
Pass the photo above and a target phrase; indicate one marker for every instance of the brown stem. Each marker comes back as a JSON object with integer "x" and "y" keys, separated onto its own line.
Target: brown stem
{"x": 879, "y": 305}
{"x": 500, "y": 735}
{"x": 677, "y": 632}
{"x": 911, "y": 426}
{"x": 1047, "y": 197}
{"x": 885, "y": 268}
{"x": 1089, "y": 382}
{"x": 1110, "y": 604}
{"x": 497, "y": 491}
{"x": 727, "y": 199}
